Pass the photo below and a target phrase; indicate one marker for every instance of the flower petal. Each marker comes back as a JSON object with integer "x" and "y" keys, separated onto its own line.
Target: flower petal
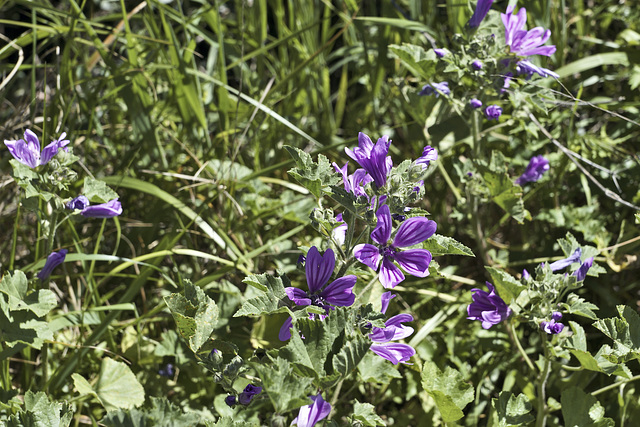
{"x": 414, "y": 261}
{"x": 413, "y": 231}
{"x": 390, "y": 275}
{"x": 53, "y": 260}
{"x": 386, "y": 298}
{"x": 340, "y": 291}
{"x": 285, "y": 330}
{"x": 319, "y": 268}
{"x": 368, "y": 255}
{"x": 298, "y": 296}
{"x": 382, "y": 232}
{"x": 394, "y": 352}
{"x": 105, "y": 210}
{"x": 309, "y": 415}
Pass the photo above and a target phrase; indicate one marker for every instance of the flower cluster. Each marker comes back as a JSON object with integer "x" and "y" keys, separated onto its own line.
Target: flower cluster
{"x": 537, "y": 167}
{"x": 553, "y": 326}
{"x": 394, "y": 330}
{"x": 488, "y": 307}
{"x": 244, "y": 398}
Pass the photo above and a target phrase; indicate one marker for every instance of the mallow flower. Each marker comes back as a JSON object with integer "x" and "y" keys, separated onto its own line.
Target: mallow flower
{"x": 487, "y": 307}
{"x": 373, "y": 158}
{"x": 309, "y": 415}
{"x": 318, "y": 269}
{"x": 411, "y": 232}
{"x": 77, "y": 203}
{"x": 27, "y": 150}
{"x": 566, "y": 262}
{"x": 537, "y": 167}
{"x": 429, "y": 154}
{"x": 437, "y": 88}
{"x": 440, "y": 53}
{"x": 394, "y": 330}
{"x": 528, "y": 69}
{"x": 475, "y": 103}
{"x": 104, "y": 210}
{"x": 523, "y": 42}
{"x": 553, "y": 327}
{"x": 53, "y": 260}
{"x": 481, "y": 10}
{"x": 581, "y": 272}
{"x": 493, "y": 112}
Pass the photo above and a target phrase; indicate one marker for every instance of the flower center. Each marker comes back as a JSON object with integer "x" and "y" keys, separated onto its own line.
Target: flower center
{"x": 388, "y": 251}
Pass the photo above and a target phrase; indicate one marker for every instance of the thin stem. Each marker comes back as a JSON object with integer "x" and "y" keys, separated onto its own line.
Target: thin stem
{"x": 14, "y": 242}
{"x": 614, "y": 385}
{"x": 519, "y": 346}
{"x": 541, "y": 417}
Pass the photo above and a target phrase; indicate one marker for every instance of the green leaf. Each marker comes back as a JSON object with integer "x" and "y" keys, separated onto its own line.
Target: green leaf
{"x": 421, "y": 63}
{"x": 40, "y": 411}
{"x": 502, "y": 190}
{"x": 98, "y": 191}
{"x": 269, "y": 301}
{"x": 582, "y": 410}
{"x": 196, "y": 315}
{"x": 449, "y": 390}
{"x": 350, "y": 355}
{"x": 15, "y": 286}
{"x": 161, "y": 414}
{"x": 624, "y": 331}
{"x": 282, "y": 385}
{"x": 375, "y": 369}
{"x": 512, "y": 410}
{"x": 508, "y": 286}
{"x": 315, "y": 177}
{"x": 578, "y": 305}
{"x": 227, "y": 422}
{"x": 443, "y": 245}
{"x": 117, "y": 386}
{"x": 366, "y": 414}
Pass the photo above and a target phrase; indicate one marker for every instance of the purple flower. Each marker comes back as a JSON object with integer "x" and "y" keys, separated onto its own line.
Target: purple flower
{"x": 437, "y": 88}
{"x": 373, "y": 158}
{"x": 521, "y": 41}
{"x": 340, "y": 232}
{"x": 309, "y": 415}
{"x": 529, "y": 69}
{"x": 492, "y": 112}
{"x": 563, "y": 263}
{"x": 53, "y": 260}
{"x": 537, "y": 167}
{"x": 475, "y": 103}
{"x": 581, "y": 272}
{"x": 385, "y": 300}
{"x": 429, "y": 154}
{"x": 393, "y": 330}
{"x": 553, "y": 327}
{"x": 79, "y": 203}
{"x": 526, "y": 275}
{"x": 249, "y": 392}
{"x": 105, "y": 210}
{"x": 318, "y": 269}
{"x": 482, "y": 8}
{"x": 168, "y": 371}
{"x": 476, "y": 65}
{"x": 507, "y": 82}
{"x": 487, "y": 307}
{"x": 27, "y": 150}
{"x": 230, "y": 400}
{"x": 413, "y": 261}
{"x": 440, "y": 53}
{"x": 355, "y": 182}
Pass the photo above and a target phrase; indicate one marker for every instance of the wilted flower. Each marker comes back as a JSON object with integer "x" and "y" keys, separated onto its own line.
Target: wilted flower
{"x": 475, "y": 103}
{"x": 581, "y": 272}
{"x": 566, "y": 262}
{"x": 487, "y": 307}
{"x": 521, "y": 41}
{"x": 529, "y": 69}
{"x": 309, "y": 415}
{"x": 105, "y": 210}
{"x": 79, "y": 203}
{"x": 437, "y": 88}
{"x": 53, "y": 260}
{"x": 492, "y": 112}
{"x": 553, "y": 327}
{"x": 411, "y": 232}
{"x": 481, "y": 10}
{"x": 537, "y": 167}
{"x": 476, "y": 65}
{"x": 373, "y": 158}
{"x": 440, "y": 53}
{"x": 429, "y": 154}
{"x": 318, "y": 269}
{"x": 27, "y": 150}
{"x": 249, "y": 392}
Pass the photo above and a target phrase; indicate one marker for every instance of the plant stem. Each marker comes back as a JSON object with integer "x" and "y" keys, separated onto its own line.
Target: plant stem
{"x": 541, "y": 416}
{"x": 614, "y": 385}
{"x": 519, "y": 346}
